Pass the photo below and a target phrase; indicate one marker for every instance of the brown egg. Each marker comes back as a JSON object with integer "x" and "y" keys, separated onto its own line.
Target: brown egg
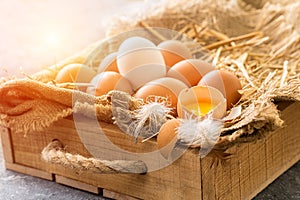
{"x": 108, "y": 81}
{"x": 190, "y": 71}
{"x": 167, "y": 137}
{"x": 109, "y": 63}
{"x": 72, "y": 73}
{"x": 164, "y": 87}
{"x": 174, "y": 51}
{"x": 227, "y": 83}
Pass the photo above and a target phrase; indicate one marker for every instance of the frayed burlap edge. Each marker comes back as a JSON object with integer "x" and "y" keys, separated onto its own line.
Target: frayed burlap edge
{"x": 28, "y": 105}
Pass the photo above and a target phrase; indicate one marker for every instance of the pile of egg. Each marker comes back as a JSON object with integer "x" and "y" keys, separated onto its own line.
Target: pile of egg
{"x": 168, "y": 69}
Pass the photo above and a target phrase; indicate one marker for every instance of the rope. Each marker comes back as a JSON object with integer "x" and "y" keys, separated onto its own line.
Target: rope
{"x": 54, "y": 153}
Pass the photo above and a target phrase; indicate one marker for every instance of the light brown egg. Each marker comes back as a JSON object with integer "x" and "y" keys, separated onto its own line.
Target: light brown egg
{"x": 75, "y": 73}
{"x": 227, "y": 83}
{"x": 190, "y": 71}
{"x": 108, "y": 81}
{"x": 164, "y": 87}
{"x": 174, "y": 51}
{"x": 167, "y": 137}
{"x": 109, "y": 63}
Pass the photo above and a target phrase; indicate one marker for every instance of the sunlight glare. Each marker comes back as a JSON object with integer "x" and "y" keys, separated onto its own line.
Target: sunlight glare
{"x": 52, "y": 39}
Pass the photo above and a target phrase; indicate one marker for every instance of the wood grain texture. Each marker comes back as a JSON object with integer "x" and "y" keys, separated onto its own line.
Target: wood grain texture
{"x": 282, "y": 147}
{"x": 6, "y": 145}
{"x": 77, "y": 184}
{"x": 116, "y": 195}
{"x": 252, "y": 167}
{"x": 28, "y": 170}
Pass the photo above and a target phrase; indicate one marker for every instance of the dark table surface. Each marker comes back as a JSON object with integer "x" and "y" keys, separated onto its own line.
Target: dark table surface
{"x": 14, "y": 186}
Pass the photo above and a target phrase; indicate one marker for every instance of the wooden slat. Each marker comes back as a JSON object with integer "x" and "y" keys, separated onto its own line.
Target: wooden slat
{"x": 223, "y": 180}
{"x": 244, "y": 172}
{"x": 6, "y": 145}
{"x": 257, "y": 163}
{"x": 77, "y": 184}
{"x": 208, "y": 180}
{"x": 29, "y": 171}
{"x": 234, "y": 173}
{"x": 190, "y": 176}
{"x": 290, "y": 133}
{"x": 117, "y": 196}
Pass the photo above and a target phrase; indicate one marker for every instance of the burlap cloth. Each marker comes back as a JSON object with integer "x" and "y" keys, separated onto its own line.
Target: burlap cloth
{"x": 258, "y": 42}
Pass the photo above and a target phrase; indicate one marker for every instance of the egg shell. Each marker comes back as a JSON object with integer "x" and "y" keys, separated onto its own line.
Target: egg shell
{"x": 190, "y": 71}
{"x": 109, "y": 63}
{"x": 167, "y": 137}
{"x": 174, "y": 51}
{"x": 108, "y": 81}
{"x": 165, "y": 87}
{"x": 78, "y": 73}
{"x": 227, "y": 83}
{"x": 140, "y": 61}
{"x": 197, "y": 94}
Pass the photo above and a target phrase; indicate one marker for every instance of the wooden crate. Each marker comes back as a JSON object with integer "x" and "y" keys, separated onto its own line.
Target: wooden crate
{"x": 251, "y": 168}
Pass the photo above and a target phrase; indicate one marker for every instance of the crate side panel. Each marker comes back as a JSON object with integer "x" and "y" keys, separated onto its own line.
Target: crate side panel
{"x": 6, "y": 145}
{"x": 166, "y": 182}
{"x": 282, "y": 147}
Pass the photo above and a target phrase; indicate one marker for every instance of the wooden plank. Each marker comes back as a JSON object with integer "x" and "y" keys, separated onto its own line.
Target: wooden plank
{"x": 257, "y": 163}
{"x": 29, "y": 171}
{"x": 274, "y": 153}
{"x": 6, "y": 145}
{"x": 223, "y": 179}
{"x": 77, "y": 184}
{"x": 190, "y": 176}
{"x": 290, "y": 133}
{"x": 244, "y": 172}
{"x": 282, "y": 147}
{"x": 117, "y": 196}
{"x": 208, "y": 180}
{"x": 234, "y": 173}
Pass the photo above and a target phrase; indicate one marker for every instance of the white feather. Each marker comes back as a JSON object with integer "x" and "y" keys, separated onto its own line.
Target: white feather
{"x": 152, "y": 116}
{"x": 200, "y": 133}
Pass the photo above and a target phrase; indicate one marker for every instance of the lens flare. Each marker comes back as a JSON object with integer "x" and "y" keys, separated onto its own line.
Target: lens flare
{"x": 52, "y": 39}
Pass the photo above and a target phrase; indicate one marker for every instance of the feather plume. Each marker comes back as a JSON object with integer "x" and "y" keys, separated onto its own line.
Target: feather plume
{"x": 200, "y": 133}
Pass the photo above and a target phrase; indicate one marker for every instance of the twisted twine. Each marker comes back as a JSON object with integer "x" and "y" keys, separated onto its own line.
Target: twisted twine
{"x": 54, "y": 153}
